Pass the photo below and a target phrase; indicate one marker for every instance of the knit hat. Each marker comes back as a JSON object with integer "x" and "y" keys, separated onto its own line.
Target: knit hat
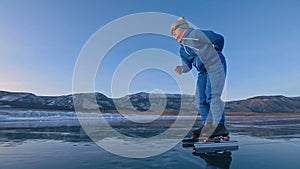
{"x": 180, "y": 23}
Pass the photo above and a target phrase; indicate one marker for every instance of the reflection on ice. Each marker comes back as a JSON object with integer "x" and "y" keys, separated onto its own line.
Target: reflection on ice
{"x": 28, "y": 136}
{"x": 58, "y": 115}
{"x": 215, "y": 160}
{"x": 60, "y": 125}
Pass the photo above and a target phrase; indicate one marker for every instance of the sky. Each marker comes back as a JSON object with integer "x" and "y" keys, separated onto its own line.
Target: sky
{"x": 40, "y": 41}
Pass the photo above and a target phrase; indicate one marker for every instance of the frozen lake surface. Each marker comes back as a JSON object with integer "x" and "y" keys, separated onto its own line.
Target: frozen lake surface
{"x": 36, "y": 139}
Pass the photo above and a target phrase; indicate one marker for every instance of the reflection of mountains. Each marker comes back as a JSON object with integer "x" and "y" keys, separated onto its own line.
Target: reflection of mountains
{"x": 267, "y": 127}
{"x": 143, "y": 102}
{"x": 76, "y": 133}
{"x": 62, "y": 133}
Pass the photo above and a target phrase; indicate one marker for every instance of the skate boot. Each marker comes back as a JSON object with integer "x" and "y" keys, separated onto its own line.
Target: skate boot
{"x": 196, "y": 133}
{"x": 216, "y": 133}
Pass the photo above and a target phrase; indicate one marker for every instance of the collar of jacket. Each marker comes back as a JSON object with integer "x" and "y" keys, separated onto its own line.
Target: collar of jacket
{"x": 186, "y": 37}
{"x": 186, "y": 34}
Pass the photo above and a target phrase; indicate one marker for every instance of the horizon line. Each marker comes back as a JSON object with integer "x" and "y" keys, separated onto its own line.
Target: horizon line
{"x": 59, "y": 95}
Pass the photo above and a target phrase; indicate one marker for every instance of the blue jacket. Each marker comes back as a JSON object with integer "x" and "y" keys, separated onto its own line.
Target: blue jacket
{"x": 187, "y": 52}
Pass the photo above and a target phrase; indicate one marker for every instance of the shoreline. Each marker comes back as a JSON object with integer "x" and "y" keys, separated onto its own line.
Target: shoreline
{"x": 163, "y": 113}
{"x": 262, "y": 114}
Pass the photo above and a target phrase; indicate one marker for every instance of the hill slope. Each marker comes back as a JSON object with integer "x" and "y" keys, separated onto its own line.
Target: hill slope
{"x": 142, "y": 102}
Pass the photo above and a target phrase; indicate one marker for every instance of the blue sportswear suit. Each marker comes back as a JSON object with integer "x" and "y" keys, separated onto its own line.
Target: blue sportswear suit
{"x": 203, "y": 50}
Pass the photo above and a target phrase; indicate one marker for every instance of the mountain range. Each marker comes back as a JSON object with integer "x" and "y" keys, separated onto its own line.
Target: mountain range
{"x": 142, "y": 102}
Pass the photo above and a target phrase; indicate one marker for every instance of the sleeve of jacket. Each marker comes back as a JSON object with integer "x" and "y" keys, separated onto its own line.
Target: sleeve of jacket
{"x": 186, "y": 61}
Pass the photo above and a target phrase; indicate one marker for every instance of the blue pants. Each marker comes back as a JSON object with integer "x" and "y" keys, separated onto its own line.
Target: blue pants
{"x": 210, "y": 105}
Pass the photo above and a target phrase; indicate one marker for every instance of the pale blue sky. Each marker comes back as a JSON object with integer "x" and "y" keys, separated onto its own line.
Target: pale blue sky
{"x": 40, "y": 41}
